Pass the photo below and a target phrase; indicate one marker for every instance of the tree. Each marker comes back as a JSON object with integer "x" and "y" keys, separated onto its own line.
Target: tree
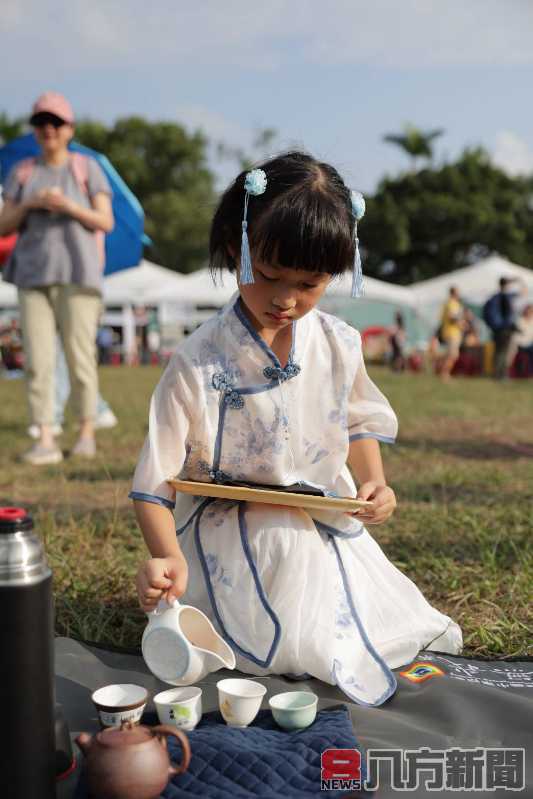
{"x": 262, "y": 145}
{"x": 414, "y": 142}
{"x": 166, "y": 168}
{"x": 10, "y": 128}
{"x": 436, "y": 220}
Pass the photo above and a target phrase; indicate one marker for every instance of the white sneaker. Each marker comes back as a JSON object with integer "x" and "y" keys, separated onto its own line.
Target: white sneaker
{"x": 34, "y": 431}
{"x": 84, "y": 448}
{"x": 41, "y": 456}
{"x": 105, "y": 420}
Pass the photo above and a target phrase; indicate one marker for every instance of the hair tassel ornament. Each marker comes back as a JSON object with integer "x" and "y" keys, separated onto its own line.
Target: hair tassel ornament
{"x": 358, "y": 210}
{"x": 255, "y": 183}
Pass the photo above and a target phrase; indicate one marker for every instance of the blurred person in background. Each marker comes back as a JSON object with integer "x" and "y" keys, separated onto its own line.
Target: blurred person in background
{"x": 57, "y": 268}
{"x": 522, "y": 343}
{"x": 398, "y": 337}
{"x": 451, "y": 332}
{"x": 500, "y": 316}
{"x": 105, "y": 418}
{"x": 470, "y": 330}
{"x": 471, "y": 353}
{"x": 104, "y": 340}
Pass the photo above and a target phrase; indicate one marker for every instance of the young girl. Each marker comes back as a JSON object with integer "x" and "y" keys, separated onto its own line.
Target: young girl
{"x": 272, "y": 391}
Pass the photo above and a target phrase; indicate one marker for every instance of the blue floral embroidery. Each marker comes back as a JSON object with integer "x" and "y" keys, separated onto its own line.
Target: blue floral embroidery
{"x": 282, "y": 374}
{"x": 217, "y": 572}
{"x": 216, "y": 475}
{"x": 319, "y": 455}
{"x": 212, "y": 563}
{"x": 223, "y": 382}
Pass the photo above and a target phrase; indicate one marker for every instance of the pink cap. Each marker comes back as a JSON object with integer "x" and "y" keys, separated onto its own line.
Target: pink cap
{"x": 53, "y": 103}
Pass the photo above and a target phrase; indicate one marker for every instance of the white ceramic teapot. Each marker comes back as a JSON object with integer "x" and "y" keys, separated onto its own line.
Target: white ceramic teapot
{"x": 180, "y": 645}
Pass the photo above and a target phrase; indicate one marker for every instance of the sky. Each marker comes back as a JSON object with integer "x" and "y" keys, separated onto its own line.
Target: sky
{"x": 332, "y": 77}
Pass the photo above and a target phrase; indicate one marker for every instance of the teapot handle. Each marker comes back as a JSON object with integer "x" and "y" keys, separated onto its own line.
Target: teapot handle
{"x": 163, "y": 730}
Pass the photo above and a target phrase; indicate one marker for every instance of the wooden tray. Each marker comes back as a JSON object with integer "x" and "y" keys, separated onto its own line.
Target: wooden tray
{"x": 269, "y": 496}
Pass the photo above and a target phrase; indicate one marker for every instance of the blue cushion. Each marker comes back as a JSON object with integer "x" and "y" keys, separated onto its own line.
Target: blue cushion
{"x": 261, "y": 760}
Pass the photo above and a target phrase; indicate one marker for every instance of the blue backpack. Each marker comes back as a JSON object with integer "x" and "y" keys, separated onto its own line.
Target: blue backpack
{"x": 492, "y": 313}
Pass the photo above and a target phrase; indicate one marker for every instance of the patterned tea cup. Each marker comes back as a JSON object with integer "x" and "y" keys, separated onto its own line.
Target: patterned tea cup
{"x": 180, "y": 707}
{"x": 120, "y": 702}
{"x": 239, "y": 701}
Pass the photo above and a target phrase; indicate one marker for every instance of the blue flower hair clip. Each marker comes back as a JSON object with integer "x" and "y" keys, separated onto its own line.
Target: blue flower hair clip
{"x": 255, "y": 183}
{"x": 358, "y": 210}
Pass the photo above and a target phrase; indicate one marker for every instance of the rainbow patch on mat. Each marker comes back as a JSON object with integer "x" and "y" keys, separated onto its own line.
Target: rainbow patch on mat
{"x": 420, "y": 672}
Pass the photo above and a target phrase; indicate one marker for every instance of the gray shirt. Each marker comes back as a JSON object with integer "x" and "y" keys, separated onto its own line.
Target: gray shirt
{"x": 52, "y": 247}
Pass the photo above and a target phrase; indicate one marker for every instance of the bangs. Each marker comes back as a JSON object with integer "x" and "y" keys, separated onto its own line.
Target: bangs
{"x": 305, "y": 230}
{"x": 303, "y": 220}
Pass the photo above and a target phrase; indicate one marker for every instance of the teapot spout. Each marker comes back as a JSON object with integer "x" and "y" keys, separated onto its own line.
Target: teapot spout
{"x": 84, "y": 741}
{"x": 223, "y": 659}
{"x": 208, "y": 644}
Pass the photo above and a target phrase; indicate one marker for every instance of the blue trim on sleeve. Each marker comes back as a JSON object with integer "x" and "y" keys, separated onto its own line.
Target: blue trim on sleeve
{"x": 211, "y": 594}
{"x": 391, "y": 679}
{"x": 377, "y": 436}
{"x": 167, "y": 503}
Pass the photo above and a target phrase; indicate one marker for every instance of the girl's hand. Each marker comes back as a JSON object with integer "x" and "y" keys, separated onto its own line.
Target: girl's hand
{"x": 159, "y": 578}
{"x": 384, "y": 503}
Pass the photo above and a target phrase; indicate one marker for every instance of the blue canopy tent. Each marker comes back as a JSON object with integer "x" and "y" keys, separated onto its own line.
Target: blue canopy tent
{"x": 123, "y": 246}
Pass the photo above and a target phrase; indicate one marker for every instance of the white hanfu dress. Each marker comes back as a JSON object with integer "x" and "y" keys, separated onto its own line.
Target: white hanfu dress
{"x": 292, "y": 591}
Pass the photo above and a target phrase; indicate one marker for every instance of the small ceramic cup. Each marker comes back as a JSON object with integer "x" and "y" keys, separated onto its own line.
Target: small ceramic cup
{"x": 180, "y": 707}
{"x": 120, "y": 702}
{"x": 294, "y": 710}
{"x": 239, "y": 701}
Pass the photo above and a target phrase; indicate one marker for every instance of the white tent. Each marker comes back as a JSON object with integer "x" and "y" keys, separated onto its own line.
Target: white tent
{"x": 374, "y": 290}
{"x": 198, "y": 289}
{"x": 475, "y": 283}
{"x": 134, "y": 286}
{"x": 195, "y": 290}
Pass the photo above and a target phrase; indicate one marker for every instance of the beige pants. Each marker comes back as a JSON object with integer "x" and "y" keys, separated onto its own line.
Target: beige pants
{"x": 73, "y": 312}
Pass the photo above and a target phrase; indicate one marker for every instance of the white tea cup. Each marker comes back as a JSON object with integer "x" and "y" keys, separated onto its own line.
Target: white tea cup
{"x": 239, "y": 701}
{"x": 180, "y": 707}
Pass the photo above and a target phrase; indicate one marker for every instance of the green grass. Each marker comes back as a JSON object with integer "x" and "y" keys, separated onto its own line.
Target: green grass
{"x": 463, "y": 531}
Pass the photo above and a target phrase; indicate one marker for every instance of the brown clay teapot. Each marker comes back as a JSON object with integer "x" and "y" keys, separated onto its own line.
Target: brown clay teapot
{"x": 131, "y": 762}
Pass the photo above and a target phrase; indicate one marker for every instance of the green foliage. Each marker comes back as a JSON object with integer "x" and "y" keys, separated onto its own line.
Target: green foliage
{"x": 435, "y": 220}
{"x": 166, "y": 168}
{"x": 415, "y": 142}
{"x": 263, "y": 144}
{"x": 10, "y": 128}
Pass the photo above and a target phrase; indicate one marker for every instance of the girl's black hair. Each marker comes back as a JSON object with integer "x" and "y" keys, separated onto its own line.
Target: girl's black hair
{"x": 303, "y": 220}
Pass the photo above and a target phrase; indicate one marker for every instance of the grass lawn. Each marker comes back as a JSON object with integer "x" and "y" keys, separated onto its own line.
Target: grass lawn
{"x": 463, "y": 531}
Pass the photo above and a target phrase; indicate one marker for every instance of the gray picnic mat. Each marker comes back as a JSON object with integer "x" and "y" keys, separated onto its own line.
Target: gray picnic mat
{"x": 459, "y": 723}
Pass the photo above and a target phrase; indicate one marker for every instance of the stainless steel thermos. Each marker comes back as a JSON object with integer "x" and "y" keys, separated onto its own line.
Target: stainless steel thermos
{"x": 27, "y": 754}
